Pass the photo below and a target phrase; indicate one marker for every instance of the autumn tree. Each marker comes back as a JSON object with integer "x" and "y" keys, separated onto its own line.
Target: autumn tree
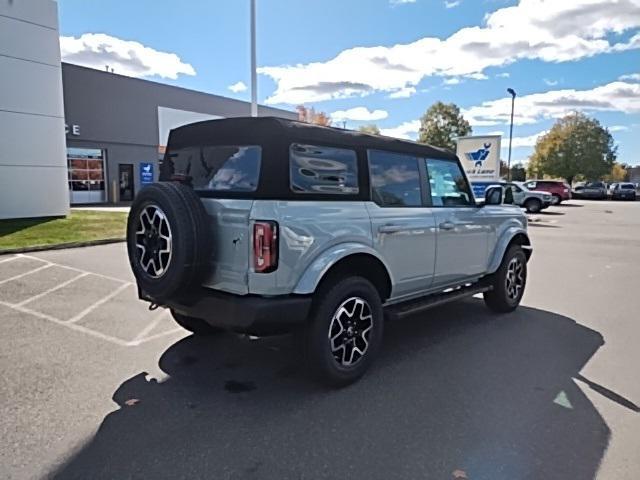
{"x": 575, "y": 145}
{"x": 618, "y": 173}
{"x": 371, "y": 129}
{"x": 310, "y": 115}
{"x": 442, "y": 124}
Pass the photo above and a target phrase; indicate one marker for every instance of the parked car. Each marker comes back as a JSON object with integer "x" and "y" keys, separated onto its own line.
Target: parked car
{"x": 593, "y": 190}
{"x": 559, "y": 190}
{"x": 531, "y": 200}
{"x": 265, "y": 225}
{"x": 624, "y": 191}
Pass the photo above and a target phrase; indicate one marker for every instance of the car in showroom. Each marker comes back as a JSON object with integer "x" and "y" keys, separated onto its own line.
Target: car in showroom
{"x": 265, "y": 226}
{"x": 532, "y": 201}
{"x": 623, "y": 191}
{"x": 559, "y": 189}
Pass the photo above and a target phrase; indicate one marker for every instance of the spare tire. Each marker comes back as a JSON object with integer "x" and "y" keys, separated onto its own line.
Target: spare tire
{"x": 167, "y": 239}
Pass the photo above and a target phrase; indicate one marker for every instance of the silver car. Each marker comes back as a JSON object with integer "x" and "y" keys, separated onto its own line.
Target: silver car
{"x": 264, "y": 225}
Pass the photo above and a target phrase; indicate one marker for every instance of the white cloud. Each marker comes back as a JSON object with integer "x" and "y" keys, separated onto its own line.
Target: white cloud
{"x": 618, "y": 128}
{"x": 477, "y": 76}
{"x": 612, "y": 97}
{"x": 529, "y": 141}
{"x": 238, "y": 87}
{"x": 550, "y": 31}
{"x": 126, "y": 57}
{"x": 403, "y": 92}
{"x": 359, "y": 114}
{"x": 503, "y": 75}
{"x": 401, "y": 2}
{"x": 551, "y": 83}
{"x": 452, "y": 81}
{"x": 632, "y": 77}
{"x": 452, "y": 4}
{"x": 406, "y": 130}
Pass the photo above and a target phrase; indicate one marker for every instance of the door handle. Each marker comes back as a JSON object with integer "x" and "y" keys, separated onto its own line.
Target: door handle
{"x": 390, "y": 228}
{"x": 447, "y": 225}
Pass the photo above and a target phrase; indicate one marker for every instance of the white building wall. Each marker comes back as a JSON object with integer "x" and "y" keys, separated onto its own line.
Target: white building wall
{"x": 33, "y": 164}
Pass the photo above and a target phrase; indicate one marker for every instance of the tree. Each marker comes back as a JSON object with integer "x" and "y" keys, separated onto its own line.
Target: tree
{"x": 575, "y": 145}
{"x": 618, "y": 173}
{"x": 441, "y": 124}
{"x": 309, "y": 115}
{"x": 518, "y": 172}
{"x": 371, "y": 129}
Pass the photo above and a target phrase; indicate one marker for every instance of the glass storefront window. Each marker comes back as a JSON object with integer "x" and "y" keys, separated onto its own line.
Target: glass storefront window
{"x": 86, "y": 175}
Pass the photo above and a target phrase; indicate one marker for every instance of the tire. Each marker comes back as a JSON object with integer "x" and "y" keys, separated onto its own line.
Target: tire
{"x": 167, "y": 239}
{"x": 501, "y": 298}
{"x": 556, "y": 199}
{"x": 533, "y": 205}
{"x": 195, "y": 325}
{"x": 343, "y": 360}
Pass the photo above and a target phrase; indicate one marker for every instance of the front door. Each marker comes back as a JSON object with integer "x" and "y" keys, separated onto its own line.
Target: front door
{"x": 463, "y": 233}
{"x": 125, "y": 176}
{"x": 403, "y": 226}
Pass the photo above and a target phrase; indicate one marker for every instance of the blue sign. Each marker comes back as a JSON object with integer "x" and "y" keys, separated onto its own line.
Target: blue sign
{"x": 146, "y": 173}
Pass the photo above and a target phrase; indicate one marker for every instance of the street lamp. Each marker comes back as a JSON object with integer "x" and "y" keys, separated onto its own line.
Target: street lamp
{"x": 254, "y": 74}
{"x": 511, "y": 92}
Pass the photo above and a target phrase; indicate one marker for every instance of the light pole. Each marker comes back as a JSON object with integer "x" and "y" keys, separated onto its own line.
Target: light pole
{"x": 512, "y": 92}
{"x": 254, "y": 74}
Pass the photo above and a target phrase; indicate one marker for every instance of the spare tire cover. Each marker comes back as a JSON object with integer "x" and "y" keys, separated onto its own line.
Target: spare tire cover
{"x": 167, "y": 239}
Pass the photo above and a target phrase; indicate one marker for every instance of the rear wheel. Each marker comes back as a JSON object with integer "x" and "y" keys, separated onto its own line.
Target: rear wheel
{"x": 195, "y": 325}
{"x": 508, "y": 282}
{"x": 533, "y": 205}
{"x": 344, "y": 331}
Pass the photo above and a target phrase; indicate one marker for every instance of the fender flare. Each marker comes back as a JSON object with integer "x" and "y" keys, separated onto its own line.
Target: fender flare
{"x": 501, "y": 246}
{"x": 326, "y": 259}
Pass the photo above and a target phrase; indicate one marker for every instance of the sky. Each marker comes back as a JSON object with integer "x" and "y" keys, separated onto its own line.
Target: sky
{"x": 385, "y": 61}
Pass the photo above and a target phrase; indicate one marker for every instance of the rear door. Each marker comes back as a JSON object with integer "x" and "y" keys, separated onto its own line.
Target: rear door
{"x": 462, "y": 228}
{"x": 214, "y": 171}
{"x": 403, "y": 227}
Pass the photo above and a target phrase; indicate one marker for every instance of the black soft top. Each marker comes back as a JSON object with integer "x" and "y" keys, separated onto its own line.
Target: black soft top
{"x": 275, "y": 136}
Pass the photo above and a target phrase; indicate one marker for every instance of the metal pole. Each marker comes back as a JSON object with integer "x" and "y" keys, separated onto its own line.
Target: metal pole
{"x": 513, "y": 101}
{"x": 254, "y": 74}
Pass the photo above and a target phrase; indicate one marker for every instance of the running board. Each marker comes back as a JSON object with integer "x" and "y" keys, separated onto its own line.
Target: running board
{"x": 424, "y": 303}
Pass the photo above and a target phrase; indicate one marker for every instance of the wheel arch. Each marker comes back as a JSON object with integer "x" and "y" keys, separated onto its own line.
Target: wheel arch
{"x": 343, "y": 260}
{"x": 513, "y": 236}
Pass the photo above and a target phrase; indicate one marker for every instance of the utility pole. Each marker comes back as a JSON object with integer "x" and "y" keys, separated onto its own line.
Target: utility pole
{"x": 512, "y": 92}
{"x": 254, "y": 73}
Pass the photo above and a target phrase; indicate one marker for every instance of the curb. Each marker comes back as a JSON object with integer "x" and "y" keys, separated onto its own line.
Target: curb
{"x": 61, "y": 246}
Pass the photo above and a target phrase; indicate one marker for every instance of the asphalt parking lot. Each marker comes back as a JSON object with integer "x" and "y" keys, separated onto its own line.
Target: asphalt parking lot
{"x": 96, "y": 386}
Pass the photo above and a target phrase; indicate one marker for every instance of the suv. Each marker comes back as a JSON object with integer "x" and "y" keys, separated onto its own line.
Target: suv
{"x": 559, "y": 190}
{"x": 623, "y": 191}
{"x": 532, "y": 201}
{"x": 266, "y": 225}
{"x": 595, "y": 190}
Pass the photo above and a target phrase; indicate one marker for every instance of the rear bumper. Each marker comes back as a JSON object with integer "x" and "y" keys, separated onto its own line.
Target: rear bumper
{"x": 241, "y": 313}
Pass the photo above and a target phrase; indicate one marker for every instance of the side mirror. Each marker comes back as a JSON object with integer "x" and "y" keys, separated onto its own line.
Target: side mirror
{"x": 493, "y": 195}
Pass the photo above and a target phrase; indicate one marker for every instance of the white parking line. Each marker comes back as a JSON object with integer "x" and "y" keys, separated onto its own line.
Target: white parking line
{"x": 119, "y": 280}
{"x": 135, "y": 343}
{"x": 8, "y": 259}
{"x": 78, "y": 328}
{"x": 95, "y": 305}
{"x": 15, "y": 277}
{"x": 47, "y": 292}
{"x": 157, "y": 319}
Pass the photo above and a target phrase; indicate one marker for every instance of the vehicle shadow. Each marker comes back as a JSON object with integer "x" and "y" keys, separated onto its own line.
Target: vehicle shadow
{"x": 456, "y": 388}
{"x": 550, "y": 213}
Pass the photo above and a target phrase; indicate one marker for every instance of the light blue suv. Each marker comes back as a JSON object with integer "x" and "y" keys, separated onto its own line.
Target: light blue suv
{"x": 265, "y": 225}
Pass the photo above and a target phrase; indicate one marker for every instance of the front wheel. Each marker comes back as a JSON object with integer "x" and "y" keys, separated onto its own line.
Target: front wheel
{"x": 344, "y": 332}
{"x": 533, "y": 206}
{"x": 556, "y": 199}
{"x": 508, "y": 282}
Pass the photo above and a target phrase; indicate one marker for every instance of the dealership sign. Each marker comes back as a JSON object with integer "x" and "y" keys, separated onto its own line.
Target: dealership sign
{"x": 480, "y": 156}
{"x": 146, "y": 173}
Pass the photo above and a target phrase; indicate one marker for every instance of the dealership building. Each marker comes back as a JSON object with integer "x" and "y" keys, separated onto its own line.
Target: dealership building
{"x": 74, "y": 135}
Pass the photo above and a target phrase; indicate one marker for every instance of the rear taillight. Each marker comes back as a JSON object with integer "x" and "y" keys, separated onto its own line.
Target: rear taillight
{"x": 265, "y": 246}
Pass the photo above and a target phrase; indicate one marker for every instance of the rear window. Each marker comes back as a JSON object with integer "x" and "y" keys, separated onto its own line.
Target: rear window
{"x": 627, "y": 186}
{"x": 320, "y": 169}
{"x": 594, "y": 185}
{"x": 216, "y": 168}
{"x": 395, "y": 179}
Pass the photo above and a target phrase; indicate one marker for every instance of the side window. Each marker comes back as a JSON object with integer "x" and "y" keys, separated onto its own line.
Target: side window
{"x": 449, "y": 187}
{"x": 316, "y": 169}
{"x": 395, "y": 179}
{"x": 515, "y": 188}
{"x": 531, "y": 185}
{"x": 216, "y": 168}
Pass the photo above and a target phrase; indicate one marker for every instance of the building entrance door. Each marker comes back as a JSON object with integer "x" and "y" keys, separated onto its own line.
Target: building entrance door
{"x": 125, "y": 176}
{"x": 86, "y": 175}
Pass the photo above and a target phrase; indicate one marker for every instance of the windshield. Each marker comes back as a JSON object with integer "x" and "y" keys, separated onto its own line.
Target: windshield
{"x": 594, "y": 185}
